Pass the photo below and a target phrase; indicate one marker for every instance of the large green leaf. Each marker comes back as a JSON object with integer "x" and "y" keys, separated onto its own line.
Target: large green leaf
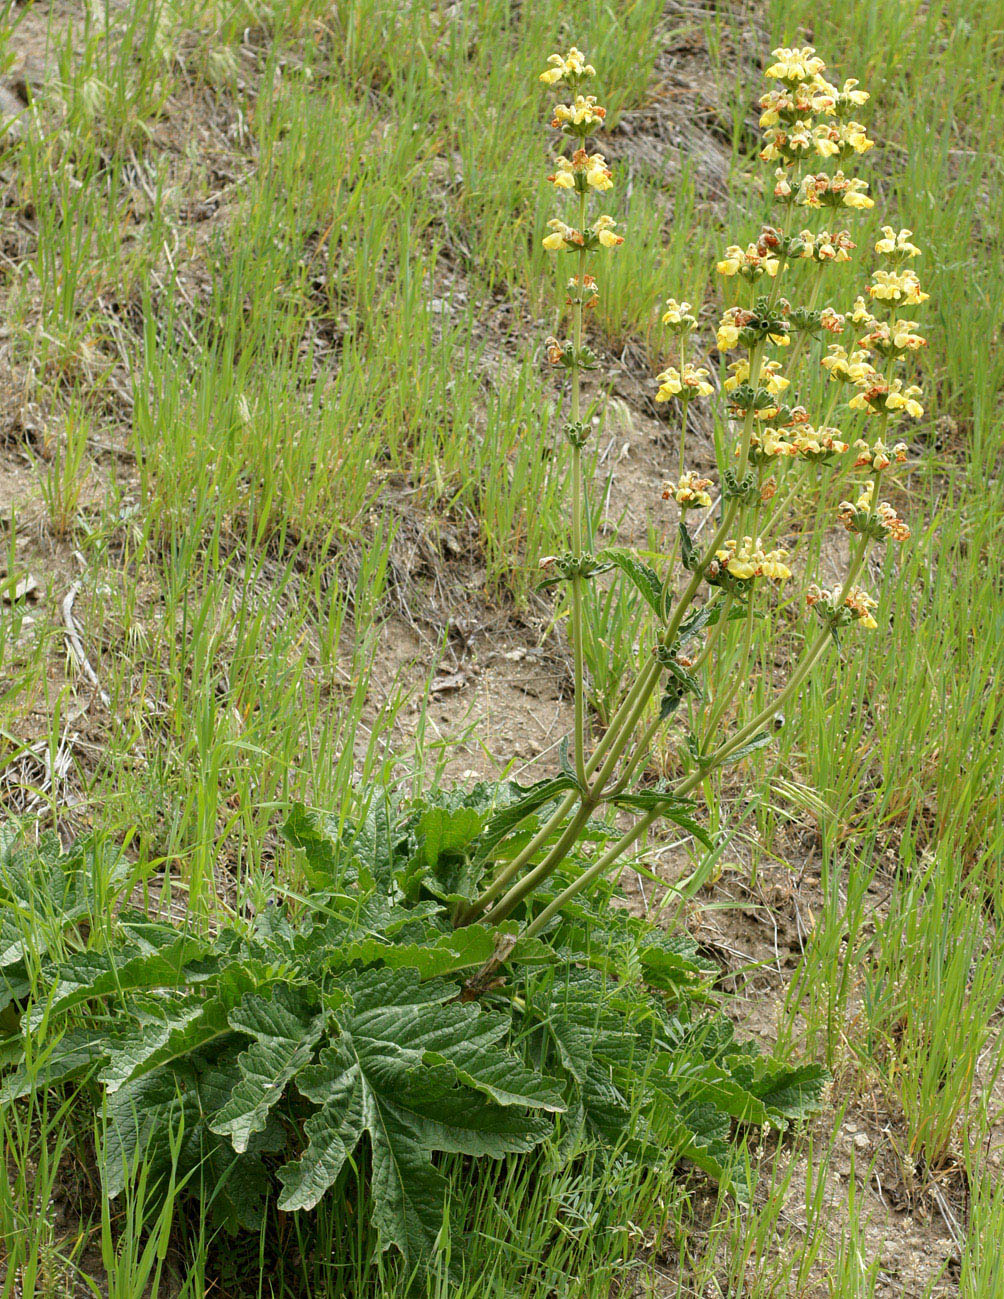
{"x": 181, "y": 1025}
{"x": 66, "y": 1058}
{"x": 416, "y": 1071}
{"x": 285, "y": 1033}
{"x": 87, "y": 975}
{"x": 792, "y": 1093}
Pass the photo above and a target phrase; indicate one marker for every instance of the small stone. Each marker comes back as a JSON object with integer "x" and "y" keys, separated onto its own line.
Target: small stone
{"x": 862, "y": 1141}
{"x": 25, "y": 588}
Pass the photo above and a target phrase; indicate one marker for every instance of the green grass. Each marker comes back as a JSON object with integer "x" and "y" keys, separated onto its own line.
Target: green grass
{"x": 351, "y": 343}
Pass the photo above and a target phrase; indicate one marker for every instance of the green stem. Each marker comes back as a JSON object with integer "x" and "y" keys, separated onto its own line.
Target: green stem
{"x": 617, "y": 746}
{"x": 540, "y": 872}
{"x": 501, "y": 881}
{"x": 598, "y": 868}
{"x": 578, "y": 651}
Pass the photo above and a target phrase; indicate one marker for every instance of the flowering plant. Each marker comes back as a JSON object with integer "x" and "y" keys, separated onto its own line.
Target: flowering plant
{"x": 339, "y": 1044}
{"x": 709, "y": 598}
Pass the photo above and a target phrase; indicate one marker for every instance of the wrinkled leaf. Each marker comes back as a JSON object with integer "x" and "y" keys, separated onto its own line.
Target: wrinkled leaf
{"x": 640, "y": 574}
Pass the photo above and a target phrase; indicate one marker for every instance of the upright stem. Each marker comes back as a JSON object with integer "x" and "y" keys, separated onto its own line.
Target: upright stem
{"x": 576, "y": 583}
{"x": 598, "y": 868}
{"x": 618, "y": 744}
{"x": 684, "y": 403}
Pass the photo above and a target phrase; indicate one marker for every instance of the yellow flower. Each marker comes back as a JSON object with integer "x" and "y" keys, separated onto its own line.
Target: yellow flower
{"x": 826, "y": 247}
{"x": 750, "y": 264}
{"x": 795, "y": 65}
{"x": 562, "y": 238}
{"x": 772, "y": 565}
{"x": 598, "y": 174}
{"x": 572, "y": 65}
{"x": 897, "y": 286}
{"x": 860, "y": 314}
{"x": 896, "y": 246}
{"x": 818, "y": 443}
{"x": 581, "y": 170}
{"x": 861, "y": 605}
{"x": 849, "y": 369}
{"x": 854, "y": 134}
{"x": 727, "y": 336}
{"x": 841, "y": 141}
{"x": 678, "y": 317}
{"x": 583, "y": 113}
{"x": 904, "y": 399}
{"x": 602, "y": 228}
{"x": 690, "y": 493}
{"x": 856, "y": 97}
{"x": 837, "y": 190}
{"x": 770, "y": 376}
{"x": 749, "y": 559}
{"x": 893, "y": 338}
{"x": 738, "y": 560}
{"x": 855, "y": 607}
{"x": 564, "y": 177}
{"x": 693, "y": 382}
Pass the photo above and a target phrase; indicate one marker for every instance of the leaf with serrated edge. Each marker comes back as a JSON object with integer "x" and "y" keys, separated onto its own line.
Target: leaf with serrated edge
{"x": 95, "y": 974}
{"x": 188, "y": 1024}
{"x": 392, "y": 1073}
{"x": 643, "y": 577}
{"x": 285, "y": 1035}
{"x": 751, "y": 746}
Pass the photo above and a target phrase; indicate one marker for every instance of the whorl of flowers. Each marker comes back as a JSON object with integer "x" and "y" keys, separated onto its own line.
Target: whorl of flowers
{"x": 856, "y": 606}
{"x": 690, "y": 493}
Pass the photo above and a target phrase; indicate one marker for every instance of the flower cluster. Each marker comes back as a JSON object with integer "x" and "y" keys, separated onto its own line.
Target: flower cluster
{"x": 750, "y": 263}
{"x": 581, "y": 172}
{"x": 566, "y": 239}
{"x": 901, "y": 288}
{"x": 827, "y": 247}
{"x": 868, "y": 519}
{"x": 580, "y": 118}
{"x": 838, "y": 190}
{"x": 896, "y": 247}
{"x": 677, "y": 317}
{"x": 690, "y": 493}
{"x": 812, "y": 129}
{"x": 770, "y": 377}
{"x": 892, "y": 339}
{"x": 582, "y": 175}
{"x": 844, "y": 367}
{"x": 819, "y": 445}
{"x": 572, "y": 67}
{"x": 877, "y": 457}
{"x": 691, "y": 382}
{"x": 856, "y": 606}
{"x": 739, "y": 326}
{"x": 748, "y": 559}
{"x": 880, "y": 396}
{"x": 795, "y": 67}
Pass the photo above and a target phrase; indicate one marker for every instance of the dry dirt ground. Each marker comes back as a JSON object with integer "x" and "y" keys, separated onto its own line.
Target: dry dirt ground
{"x": 505, "y": 676}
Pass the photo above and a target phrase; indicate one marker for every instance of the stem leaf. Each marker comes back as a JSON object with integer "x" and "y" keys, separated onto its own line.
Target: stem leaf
{"x": 645, "y": 578}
